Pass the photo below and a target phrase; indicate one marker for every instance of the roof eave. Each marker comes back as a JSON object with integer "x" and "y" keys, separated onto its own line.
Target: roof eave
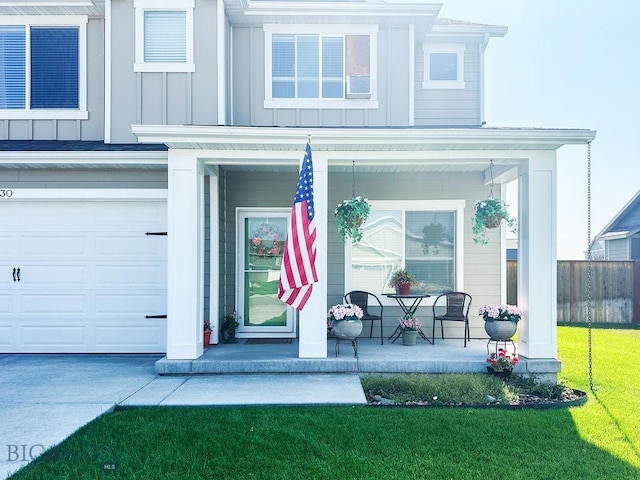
{"x": 277, "y": 138}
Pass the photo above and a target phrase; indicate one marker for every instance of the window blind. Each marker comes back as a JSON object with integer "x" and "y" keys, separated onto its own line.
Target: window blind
{"x": 54, "y": 67}
{"x": 165, "y": 36}
{"x": 12, "y": 67}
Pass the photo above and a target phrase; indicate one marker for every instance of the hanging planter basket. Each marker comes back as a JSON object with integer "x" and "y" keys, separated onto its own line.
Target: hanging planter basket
{"x": 489, "y": 213}
{"x": 493, "y": 222}
{"x": 350, "y": 216}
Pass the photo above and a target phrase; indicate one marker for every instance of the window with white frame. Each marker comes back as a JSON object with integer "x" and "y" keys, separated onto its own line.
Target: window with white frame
{"x": 443, "y": 66}
{"x": 164, "y": 36}
{"x": 320, "y": 66}
{"x": 43, "y": 67}
{"x": 425, "y": 237}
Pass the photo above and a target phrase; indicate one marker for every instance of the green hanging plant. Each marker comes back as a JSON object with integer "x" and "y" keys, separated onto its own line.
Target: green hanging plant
{"x": 350, "y": 215}
{"x": 488, "y": 214}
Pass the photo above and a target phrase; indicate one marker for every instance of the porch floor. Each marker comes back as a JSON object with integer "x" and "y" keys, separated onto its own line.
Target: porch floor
{"x": 446, "y": 356}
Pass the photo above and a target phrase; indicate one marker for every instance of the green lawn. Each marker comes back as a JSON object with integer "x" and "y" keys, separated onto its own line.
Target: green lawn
{"x": 598, "y": 440}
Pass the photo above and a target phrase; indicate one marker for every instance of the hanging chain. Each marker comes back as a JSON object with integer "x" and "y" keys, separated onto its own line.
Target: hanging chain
{"x": 353, "y": 179}
{"x": 589, "y": 267}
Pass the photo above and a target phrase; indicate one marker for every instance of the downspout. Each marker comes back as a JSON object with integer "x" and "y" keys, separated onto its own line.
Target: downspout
{"x": 222, "y": 71}
{"x": 483, "y": 47}
{"x": 412, "y": 75}
{"x": 107, "y": 71}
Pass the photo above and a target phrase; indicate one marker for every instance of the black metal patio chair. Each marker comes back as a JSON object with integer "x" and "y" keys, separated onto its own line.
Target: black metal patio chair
{"x": 365, "y": 301}
{"x": 456, "y": 309}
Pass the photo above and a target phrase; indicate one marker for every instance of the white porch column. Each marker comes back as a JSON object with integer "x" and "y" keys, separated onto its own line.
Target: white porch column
{"x": 537, "y": 265}
{"x": 313, "y": 319}
{"x": 185, "y": 257}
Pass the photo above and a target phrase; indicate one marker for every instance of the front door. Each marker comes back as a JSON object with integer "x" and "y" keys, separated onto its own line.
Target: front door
{"x": 261, "y": 236}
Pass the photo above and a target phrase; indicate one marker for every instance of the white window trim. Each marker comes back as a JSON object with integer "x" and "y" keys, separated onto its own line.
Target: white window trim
{"x": 456, "y": 206}
{"x": 457, "y": 48}
{"x": 140, "y": 65}
{"x": 81, "y": 112}
{"x": 321, "y": 103}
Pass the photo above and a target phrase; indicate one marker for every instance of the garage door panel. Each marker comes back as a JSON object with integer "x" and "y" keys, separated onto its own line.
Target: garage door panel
{"x": 136, "y": 276}
{"x": 141, "y": 216}
{"x": 132, "y": 245}
{"x": 49, "y": 216}
{"x": 59, "y": 275}
{"x": 129, "y": 304}
{"x": 7, "y": 337}
{"x": 57, "y": 335}
{"x": 6, "y": 303}
{"x": 52, "y": 246}
{"x": 6, "y": 247}
{"x": 61, "y": 304}
{"x": 141, "y": 335}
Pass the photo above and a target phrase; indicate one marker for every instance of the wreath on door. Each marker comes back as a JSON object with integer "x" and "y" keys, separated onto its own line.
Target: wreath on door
{"x": 267, "y": 240}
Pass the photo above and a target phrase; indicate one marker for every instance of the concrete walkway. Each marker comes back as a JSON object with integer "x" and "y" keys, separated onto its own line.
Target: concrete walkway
{"x": 46, "y": 398}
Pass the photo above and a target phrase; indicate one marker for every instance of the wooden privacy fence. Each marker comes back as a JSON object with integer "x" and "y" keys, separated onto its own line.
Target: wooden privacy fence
{"x": 615, "y": 294}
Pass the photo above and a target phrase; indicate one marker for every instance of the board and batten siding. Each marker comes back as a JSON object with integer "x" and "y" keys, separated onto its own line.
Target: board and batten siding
{"x": 162, "y": 98}
{"x": 248, "y": 88}
{"x": 449, "y": 107}
{"x": 265, "y": 189}
{"x": 71, "y": 129}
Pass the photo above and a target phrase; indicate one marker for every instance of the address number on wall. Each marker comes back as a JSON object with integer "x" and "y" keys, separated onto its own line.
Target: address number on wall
{"x": 6, "y": 193}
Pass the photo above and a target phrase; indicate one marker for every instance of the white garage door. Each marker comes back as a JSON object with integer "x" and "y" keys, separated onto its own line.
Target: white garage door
{"x": 81, "y": 276}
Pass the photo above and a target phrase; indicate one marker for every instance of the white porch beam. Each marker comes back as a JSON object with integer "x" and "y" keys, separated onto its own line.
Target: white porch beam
{"x": 500, "y": 174}
{"x": 313, "y": 318}
{"x": 185, "y": 256}
{"x": 537, "y": 265}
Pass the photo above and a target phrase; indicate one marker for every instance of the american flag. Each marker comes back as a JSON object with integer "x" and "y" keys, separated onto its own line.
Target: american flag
{"x": 298, "y": 271}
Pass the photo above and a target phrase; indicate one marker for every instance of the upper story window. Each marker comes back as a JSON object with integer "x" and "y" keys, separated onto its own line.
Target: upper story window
{"x": 425, "y": 237}
{"x": 164, "y": 36}
{"x": 443, "y": 66}
{"x": 43, "y": 67}
{"x": 320, "y": 66}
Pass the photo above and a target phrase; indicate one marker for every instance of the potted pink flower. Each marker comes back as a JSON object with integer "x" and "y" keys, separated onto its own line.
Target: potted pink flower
{"x": 409, "y": 326}
{"x": 500, "y": 321}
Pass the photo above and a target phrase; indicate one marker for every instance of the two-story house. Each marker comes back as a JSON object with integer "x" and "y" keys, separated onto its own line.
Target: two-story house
{"x": 125, "y": 119}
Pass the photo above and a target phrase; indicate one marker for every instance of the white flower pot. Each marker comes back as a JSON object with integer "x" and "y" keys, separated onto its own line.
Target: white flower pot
{"x": 500, "y": 330}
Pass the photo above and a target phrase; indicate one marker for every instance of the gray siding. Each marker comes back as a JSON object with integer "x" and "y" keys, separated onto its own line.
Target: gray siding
{"x": 91, "y": 129}
{"x": 253, "y": 189}
{"x": 617, "y": 249}
{"x": 151, "y": 98}
{"x": 63, "y": 178}
{"x": 449, "y": 107}
{"x": 248, "y": 77}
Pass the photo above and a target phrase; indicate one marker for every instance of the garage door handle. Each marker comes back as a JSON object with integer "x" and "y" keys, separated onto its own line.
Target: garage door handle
{"x": 14, "y": 274}
{"x": 18, "y": 273}
{"x": 155, "y": 316}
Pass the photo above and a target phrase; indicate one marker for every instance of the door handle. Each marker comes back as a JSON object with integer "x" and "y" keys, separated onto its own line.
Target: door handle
{"x": 18, "y": 273}
{"x": 14, "y": 274}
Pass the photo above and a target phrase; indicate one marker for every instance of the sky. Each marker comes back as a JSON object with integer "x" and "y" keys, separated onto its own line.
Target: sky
{"x": 568, "y": 64}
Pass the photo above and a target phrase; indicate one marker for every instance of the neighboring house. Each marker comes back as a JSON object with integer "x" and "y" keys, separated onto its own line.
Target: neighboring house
{"x": 620, "y": 238}
{"x": 124, "y": 119}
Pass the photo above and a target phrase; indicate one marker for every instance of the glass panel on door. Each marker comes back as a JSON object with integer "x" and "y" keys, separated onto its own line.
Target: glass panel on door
{"x": 261, "y": 313}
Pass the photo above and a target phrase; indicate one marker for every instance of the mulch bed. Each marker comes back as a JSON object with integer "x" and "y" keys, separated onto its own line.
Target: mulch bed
{"x": 569, "y": 398}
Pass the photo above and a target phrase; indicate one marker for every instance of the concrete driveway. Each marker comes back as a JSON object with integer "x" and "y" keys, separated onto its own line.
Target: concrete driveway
{"x": 46, "y": 398}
